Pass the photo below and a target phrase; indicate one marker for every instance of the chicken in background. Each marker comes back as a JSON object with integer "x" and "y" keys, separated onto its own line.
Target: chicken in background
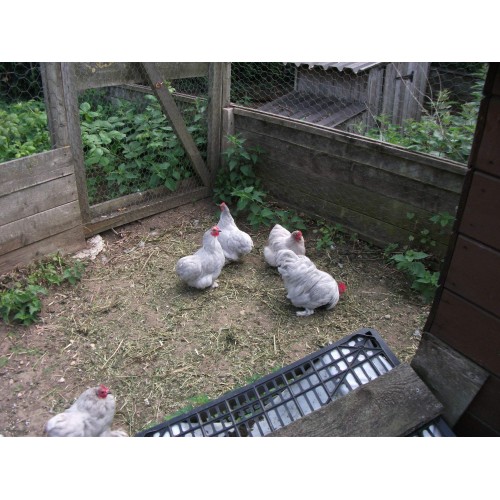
{"x": 201, "y": 269}
{"x": 307, "y": 286}
{"x": 235, "y": 243}
{"x": 282, "y": 239}
{"x": 91, "y": 415}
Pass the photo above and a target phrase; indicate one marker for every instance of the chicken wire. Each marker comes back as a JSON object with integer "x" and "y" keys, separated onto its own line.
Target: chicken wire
{"x": 23, "y": 119}
{"x": 289, "y": 394}
{"x": 426, "y": 107}
{"x": 130, "y": 146}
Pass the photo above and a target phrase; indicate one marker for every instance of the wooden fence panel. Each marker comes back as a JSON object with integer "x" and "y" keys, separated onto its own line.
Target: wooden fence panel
{"x": 367, "y": 186}
{"x": 39, "y": 208}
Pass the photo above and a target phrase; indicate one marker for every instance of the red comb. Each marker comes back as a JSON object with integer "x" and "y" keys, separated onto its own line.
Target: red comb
{"x": 342, "y": 287}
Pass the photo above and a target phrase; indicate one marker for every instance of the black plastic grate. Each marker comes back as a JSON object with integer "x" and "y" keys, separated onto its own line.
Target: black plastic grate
{"x": 437, "y": 428}
{"x": 289, "y": 394}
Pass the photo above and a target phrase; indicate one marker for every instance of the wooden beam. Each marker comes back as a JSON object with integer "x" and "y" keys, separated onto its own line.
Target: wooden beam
{"x": 133, "y": 213}
{"x": 453, "y": 379}
{"x": 215, "y": 80}
{"x": 170, "y": 109}
{"x": 394, "y": 404}
{"x": 75, "y": 136}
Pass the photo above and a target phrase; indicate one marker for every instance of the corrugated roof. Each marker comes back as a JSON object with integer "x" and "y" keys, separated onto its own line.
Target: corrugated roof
{"x": 353, "y": 66}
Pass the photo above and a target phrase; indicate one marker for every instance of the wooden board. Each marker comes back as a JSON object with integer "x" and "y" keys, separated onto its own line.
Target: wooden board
{"x": 130, "y": 214}
{"x": 39, "y": 226}
{"x": 68, "y": 241}
{"x": 480, "y": 219}
{"x": 474, "y": 274}
{"x": 37, "y": 198}
{"x": 94, "y": 74}
{"x": 488, "y": 155}
{"x": 468, "y": 329}
{"x": 394, "y": 404}
{"x": 471, "y": 426}
{"x": 410, "y": 192}
{"x": 453, "y": 379}
{"x": 424, "y": 168}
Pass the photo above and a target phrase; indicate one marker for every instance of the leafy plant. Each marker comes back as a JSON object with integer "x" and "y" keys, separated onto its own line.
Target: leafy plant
{"x": 420, "y": 266}
{"x": 23, "y": 129}
{"x": 20, "y": 304}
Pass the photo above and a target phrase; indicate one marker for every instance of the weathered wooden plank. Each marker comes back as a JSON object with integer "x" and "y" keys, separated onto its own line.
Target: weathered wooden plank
{"x": 133, "y": 213}
{"x": 454, "y": 379}
{"x": 488, "y": 156}
{"x": 394, "y": 404}
{"x": 486, "y": 404}
{"x": 314, "y": 190}
{"x": 54, "y": 103}
{"x": 411, "y": 192}
{"x": 468, "y": 329}
{"x": 65, "y": 242}
{"x": 480, "y": 218}
{"x": 75, "y": 135}
{"x": 426, "y": 168}
{"x": 37, "y": 198}
{"x": 215, "y": 88}
{"x": 94, "y": 75}
{"x": 169, "y": 107}
{"x": 471, "y": 426}
{"x": 21, "y": 173}
{"x": 38, "y": 227}
{"x": 474, "y": 274}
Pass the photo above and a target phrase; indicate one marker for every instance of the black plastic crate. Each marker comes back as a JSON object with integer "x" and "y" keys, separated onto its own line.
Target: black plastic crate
{"x": 437, "y": 428}
{"x": 289, "y": 394}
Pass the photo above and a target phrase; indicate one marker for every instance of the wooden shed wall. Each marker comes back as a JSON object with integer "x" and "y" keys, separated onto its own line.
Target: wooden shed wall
{"x": 362, "y": 184}
{"x": 39, "y": 209}
{"x": 466, "y": 311}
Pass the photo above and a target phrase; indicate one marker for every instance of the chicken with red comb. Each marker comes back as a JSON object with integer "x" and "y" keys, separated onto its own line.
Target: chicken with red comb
{"x": 281, "y": 238}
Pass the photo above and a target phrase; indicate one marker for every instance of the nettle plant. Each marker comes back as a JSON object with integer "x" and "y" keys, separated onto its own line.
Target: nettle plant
{"x": 20, "y": 300}
{"x": 417, "y": 259}
{"x": 238, "y": 185}
{"x": 131, "y": 148}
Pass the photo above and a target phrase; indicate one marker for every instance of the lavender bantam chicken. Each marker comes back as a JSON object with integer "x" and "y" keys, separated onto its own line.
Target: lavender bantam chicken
{"x": 307, "y": 286}
{"x": 282, "y": 239}
{"x": 91, "y": 415}
{"x": 201, "y": 269}
{"x": 235, "y": 243}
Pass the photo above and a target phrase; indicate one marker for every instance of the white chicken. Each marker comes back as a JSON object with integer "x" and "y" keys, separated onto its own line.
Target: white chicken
{"x": 235, "y": 243}
{"x": 282, "y": 239}
{"x": 91, "y": 415}
{"x": 307, "y": 286}
{"x": 201, "y": 269}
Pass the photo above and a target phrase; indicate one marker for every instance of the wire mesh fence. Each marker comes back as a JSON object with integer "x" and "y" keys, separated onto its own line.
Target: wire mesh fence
{"x": 130, "y": 145}
{"x": 425, "y": 107}
{"x": 23, "y": 120}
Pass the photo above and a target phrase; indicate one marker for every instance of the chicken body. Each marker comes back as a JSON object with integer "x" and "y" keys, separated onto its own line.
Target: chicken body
{"x": 91, "y": 415}
{"x": 307, "y": 286}
{"x": 235, "y": 243}
{"x": 282, "y": 239}
{"x": 201, "y": 269}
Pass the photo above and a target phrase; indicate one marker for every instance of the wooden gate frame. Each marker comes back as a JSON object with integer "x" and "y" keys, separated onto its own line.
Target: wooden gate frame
{"x": 63, "y": 81}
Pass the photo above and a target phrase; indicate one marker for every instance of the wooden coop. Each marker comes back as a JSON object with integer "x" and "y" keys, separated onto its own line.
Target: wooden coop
{"x": 350, "y": 95}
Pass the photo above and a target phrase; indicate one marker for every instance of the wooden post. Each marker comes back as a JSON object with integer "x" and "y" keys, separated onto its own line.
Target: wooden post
{"x": 54, "y": 103}
{"x": 75, "y": 136}
{"x": 215, "y": 102}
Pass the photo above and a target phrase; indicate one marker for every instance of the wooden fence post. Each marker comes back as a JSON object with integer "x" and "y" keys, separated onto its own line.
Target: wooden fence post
{"x": 75, "y": 136}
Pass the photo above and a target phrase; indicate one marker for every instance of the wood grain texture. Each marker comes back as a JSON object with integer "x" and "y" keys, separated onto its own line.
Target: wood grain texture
{"x": 69, "y": 241}
{"x": 480, "y": 218}
{"x": 488, "y": 156}
{"x": 454, "y": 379}
{"x": 39, "y": 226}
{"x": 469, "y": 329}
{"x": 394, "y": 404}
{"x": 474, "y": 274}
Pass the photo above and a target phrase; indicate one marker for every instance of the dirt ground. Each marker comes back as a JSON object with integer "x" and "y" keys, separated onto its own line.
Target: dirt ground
{"x": 161, "y": 346}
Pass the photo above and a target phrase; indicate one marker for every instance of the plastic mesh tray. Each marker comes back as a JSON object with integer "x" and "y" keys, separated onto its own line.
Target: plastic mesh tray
{"x": 437, "y": 428}
{"x": 289, "y": 394}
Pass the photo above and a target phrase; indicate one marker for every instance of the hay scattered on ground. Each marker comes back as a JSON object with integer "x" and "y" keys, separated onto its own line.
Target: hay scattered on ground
{"x": 161, "y": 346}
